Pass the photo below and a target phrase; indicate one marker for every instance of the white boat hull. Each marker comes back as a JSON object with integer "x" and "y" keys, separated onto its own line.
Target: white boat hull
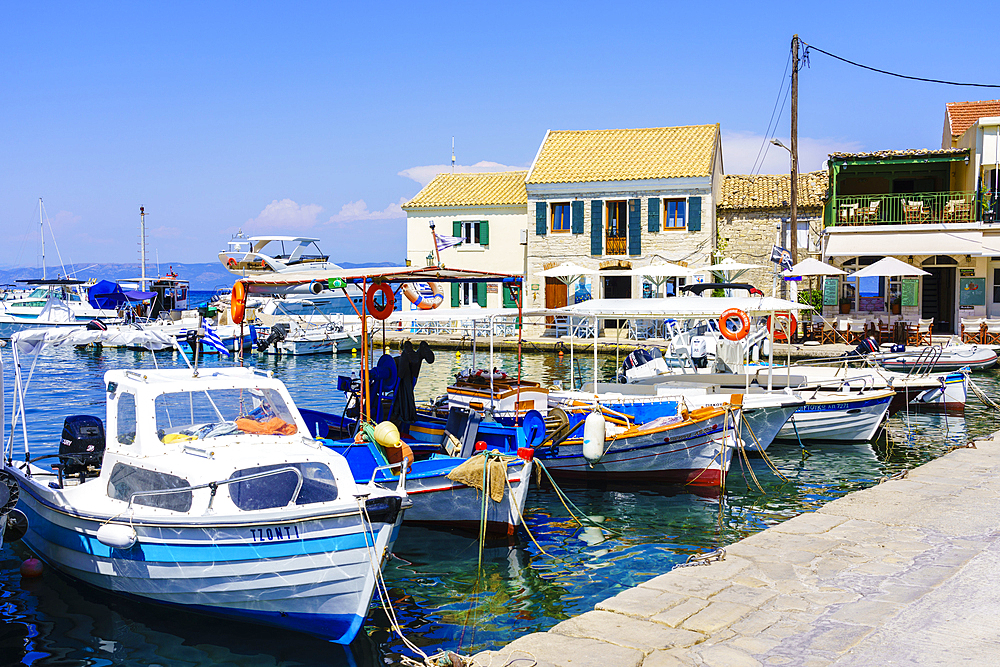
{"x": 838, "y": 416}
{"x": 307, "y": 571}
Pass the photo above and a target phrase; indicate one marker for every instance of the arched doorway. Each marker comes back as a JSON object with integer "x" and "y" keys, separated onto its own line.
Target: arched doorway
{"x": 937, "y": 295}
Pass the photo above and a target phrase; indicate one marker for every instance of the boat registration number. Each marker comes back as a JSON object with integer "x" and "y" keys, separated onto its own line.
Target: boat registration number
{"x": 274, "y": 534}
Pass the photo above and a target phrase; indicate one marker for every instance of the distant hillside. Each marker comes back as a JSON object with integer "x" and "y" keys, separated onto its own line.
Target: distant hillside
{"x": 203, "y": 276}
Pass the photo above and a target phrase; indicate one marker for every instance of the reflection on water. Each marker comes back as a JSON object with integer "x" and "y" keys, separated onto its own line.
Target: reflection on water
{"x": 437, "y": 588}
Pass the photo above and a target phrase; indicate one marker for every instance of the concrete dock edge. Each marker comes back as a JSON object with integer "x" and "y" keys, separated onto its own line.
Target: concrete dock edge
{"x": 902, "y": 573}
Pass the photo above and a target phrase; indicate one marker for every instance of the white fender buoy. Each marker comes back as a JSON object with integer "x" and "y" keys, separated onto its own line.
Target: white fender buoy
{"x": 116, "y": 536}
{"x": 594, "y": 429}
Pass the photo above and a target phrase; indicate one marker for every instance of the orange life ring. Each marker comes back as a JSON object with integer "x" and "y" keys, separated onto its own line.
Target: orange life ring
{"x": 372, "y": 307}
{"x": 238, "y": 302}
{"x": 425, "y": 296}
{"x": 744, "y": 319}
{"x": 779, "y": 332}
{"x": 231, "y": 263}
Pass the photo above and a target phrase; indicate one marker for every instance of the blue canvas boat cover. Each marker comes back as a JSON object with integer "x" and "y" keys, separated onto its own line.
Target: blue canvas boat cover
{"x": 105, "y": 295}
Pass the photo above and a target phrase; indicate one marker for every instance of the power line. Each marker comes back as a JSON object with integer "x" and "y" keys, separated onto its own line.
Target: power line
{"x": 767, "y": 133}
{"x": 901, "y": 76}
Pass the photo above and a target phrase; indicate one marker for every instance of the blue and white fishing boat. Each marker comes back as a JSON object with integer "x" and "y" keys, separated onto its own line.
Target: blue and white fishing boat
{"x": 204, "y": 492}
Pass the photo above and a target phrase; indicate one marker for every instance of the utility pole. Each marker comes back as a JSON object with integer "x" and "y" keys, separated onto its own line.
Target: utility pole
{"x": 142, "y": 251}
{"x": 795, "y": 150}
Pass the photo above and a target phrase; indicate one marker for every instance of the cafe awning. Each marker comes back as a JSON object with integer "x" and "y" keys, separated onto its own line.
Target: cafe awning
{"x": 936, "y": 242}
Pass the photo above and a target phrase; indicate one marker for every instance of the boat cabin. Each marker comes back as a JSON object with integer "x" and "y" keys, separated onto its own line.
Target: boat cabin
{"x": 273, "y": 253}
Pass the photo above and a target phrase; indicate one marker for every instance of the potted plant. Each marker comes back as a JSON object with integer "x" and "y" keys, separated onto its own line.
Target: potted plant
{"x": 845, "y": 304}
{"x": 896, "y": 305}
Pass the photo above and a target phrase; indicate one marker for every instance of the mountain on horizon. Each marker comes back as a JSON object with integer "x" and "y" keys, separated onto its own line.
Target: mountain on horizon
{"x": 202, "y": 276}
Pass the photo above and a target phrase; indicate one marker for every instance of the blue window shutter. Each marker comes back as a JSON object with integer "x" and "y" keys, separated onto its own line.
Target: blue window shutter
{"x": 456, "y": 295}
{"x": 578, "y": 217}
{"x": 596, "y": 227}
{"x": 635, "y": 226}
{"x": 484, "y": 233}
{"x": 654, "y": 214}
{"x": 694, "y": 214}
{"x": 456, "y": 229}
{"x": 541, "y": 224}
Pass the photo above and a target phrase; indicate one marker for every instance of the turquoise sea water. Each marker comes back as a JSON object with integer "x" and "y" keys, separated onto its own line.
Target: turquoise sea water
{"x": 437, "y": 592}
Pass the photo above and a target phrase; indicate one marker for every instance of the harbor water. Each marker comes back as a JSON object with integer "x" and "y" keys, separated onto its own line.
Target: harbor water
{"x": 440, "y": 595}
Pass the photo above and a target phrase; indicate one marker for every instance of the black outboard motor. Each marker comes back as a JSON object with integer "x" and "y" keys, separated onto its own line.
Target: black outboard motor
{"x": 634, "y": 360}
{"x": 865, "y": 347}
{"x": 278, "y": 333}
{"x": 82, "y": 444}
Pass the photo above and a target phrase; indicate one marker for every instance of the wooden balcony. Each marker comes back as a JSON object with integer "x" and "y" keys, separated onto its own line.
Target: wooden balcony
{"x": 615, "y": 245}
{"x": 902, "y": 209}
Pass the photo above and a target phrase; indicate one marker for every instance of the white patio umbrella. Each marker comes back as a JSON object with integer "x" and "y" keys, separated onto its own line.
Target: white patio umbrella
{"x": 568, "y": 272}
{"x": 729, "y": 268}
{"x": 658, "y": 274}
{"x": 813, "y": 267}
{"x": 888, "y": 267}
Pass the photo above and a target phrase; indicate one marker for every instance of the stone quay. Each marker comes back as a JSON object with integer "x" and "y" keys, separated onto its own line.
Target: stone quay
{"x": 902, "y": 573}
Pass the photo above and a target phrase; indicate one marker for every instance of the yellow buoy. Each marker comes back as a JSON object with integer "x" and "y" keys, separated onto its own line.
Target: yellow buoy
{"x": 354, "y": 351}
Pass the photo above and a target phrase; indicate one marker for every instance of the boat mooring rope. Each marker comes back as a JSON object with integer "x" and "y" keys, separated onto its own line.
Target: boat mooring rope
{"x": 982, "y": 395}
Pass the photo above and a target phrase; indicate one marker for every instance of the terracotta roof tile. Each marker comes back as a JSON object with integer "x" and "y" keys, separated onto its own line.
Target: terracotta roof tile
{"x": 772, "y": 191}
{"x": 581, "y": 156}
{"x": 961, "y": 115}
{"x": 501, "y": 188}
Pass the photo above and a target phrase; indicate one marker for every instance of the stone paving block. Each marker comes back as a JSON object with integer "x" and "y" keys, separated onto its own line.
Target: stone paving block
{"x": 840, "y": 637}
{"x": 752, "y": 582}
{"x": 866, "y": 612}
{"x": 756, "y": 622}
{"x": 953, "y": 557}
{"x": 676, "y": 615}
{"x": 667, "y": 658}
{"x": 901, "y": 593}
{"x": 640, "y": 602}
{"x": 777, "y": 571}
{"x": 715, "y": 616}
{"x": 717, "y": 570}
{"x": 829, "y": 567}
{"x": 926, "y": 576}
{"x": 754, "y": 645}
{"x": 788, "y": 603}
{"x": 625, "y": 631}
{"x": 809, "y": 524}
{"x": 678, "y": 582}
{"x": 550, "y": 648}
{"x": 752, "y": 597}
{"x": 727, "y": 656}
{"x": 829, "y": 598}
{"x": 878, "y": 569}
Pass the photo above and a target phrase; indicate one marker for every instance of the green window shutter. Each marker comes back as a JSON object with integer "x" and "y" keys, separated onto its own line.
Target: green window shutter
{"x": 541, "y": 224}
{"x": 484, "y": 233}
{"x": 456, "y": 229}
{"x": 635, "y": 226}
{"x": 596, "y": 227}
{"x": 481, "y": 294}
{"x": 456, "y": 295}
{"x": 653, "y": 217}
{"x": 578, "y": 217}
{"x": 694, "y": 214}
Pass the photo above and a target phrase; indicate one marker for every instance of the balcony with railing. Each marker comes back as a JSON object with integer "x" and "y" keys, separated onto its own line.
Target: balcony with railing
{"x": 902, "y": 209}
{"x": 615, "y": 245}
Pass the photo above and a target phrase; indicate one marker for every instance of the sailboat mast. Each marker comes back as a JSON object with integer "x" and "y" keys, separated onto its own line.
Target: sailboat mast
{"x": 41, "y": 233}
{"x": 142, "y": 246}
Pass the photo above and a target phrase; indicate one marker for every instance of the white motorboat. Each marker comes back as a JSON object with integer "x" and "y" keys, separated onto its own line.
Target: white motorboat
{"x": 56, "y": 304}
{"x": 939, "y": 358}
{"x": 839, "y": 415}
{"x": 262, "y": 255}
{"x": 206, "y": 493}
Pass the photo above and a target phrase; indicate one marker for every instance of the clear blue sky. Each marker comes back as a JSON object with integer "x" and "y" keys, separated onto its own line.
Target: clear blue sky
{"x": 319, "y": 118}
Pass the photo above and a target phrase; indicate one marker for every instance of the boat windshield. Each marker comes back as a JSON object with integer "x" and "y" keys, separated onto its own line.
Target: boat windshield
{"x": 213, "y": 413}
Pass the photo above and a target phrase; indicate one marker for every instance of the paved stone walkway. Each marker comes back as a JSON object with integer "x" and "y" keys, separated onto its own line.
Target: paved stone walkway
{"x": 904, "y": 573}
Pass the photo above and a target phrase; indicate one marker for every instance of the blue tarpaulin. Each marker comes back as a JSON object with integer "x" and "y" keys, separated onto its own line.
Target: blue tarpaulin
{"x": 105, "y": 295}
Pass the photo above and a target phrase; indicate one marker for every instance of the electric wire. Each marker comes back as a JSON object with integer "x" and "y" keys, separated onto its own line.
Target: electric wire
{"x": 767, "y": 133}
{"x": 901, "y": 76}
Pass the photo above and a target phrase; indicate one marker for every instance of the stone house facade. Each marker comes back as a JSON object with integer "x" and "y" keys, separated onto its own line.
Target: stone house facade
{"x": 619, "y": 199}
{"x": 753, "y": 215}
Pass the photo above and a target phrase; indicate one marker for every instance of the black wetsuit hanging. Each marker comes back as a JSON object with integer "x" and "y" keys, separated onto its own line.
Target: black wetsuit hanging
{"x": 404, "y": 406}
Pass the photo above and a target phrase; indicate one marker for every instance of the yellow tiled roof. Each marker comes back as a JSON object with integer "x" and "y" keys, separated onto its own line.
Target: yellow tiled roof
{"x": 772, "y": 191}
{"x": 500, "y": 188}
{"x": 582, "y": 156}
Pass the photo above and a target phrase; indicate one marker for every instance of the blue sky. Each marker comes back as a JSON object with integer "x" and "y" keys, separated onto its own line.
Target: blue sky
{"x": 320, "y": 118}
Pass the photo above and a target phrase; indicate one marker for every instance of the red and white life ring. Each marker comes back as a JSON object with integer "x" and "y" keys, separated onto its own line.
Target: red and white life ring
{"x": 744, "y": 322}
{"x": 425, "y": 296}
{"x": 231, "y": 263}
{"x": 388, "y": 303}
{"x": 781, "y": 331}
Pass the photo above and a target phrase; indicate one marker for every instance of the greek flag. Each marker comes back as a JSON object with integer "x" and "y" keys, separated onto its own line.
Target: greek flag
{"x": 213, "y": 339}
{"x": 445, "y": 242}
